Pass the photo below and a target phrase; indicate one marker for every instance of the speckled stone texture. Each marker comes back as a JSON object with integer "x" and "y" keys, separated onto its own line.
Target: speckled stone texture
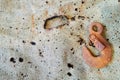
{"x": 28, "y": 51}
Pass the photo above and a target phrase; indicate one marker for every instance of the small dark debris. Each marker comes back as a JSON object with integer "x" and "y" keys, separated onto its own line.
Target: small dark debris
{"x": 35, "y": 66}
{"x": 12, "y": 60}
{"x": 73, "y": 18}
{"x": 24, "y": 41}
{"x": 73, "y": 52}
{"x": 56, "y": 48}
{"x": 69, "y": 74}
{"x": 81, "y": 41}
{"x": 46, "y": 2}
{"x": 107, "y": 39}
{"x": 83, "y": 2}
{"x": 48, "y": 40}
{"x": 10, "y": 26}
{"x": 29, "y": 62}
{"x": 16, "y": 28}
{"x": 60, "y": 1}
{"x": 40, "y": 53}
{"x": 71, "y": 33}
{"x": 118, "y": 0}
{"x": 71, "y": 49}
{"x": 74, "y": 3}
{"x": 81, "y": 17}
{"x": 91, "y": 44}
{"x": 119, "y": 46}
{"x": 76, "y": 9}
{"x": 20, "y": 59}
{"x": 23, "y": 18}
{"x": 33, "y": 43}
{"x": 21, "y": 74}
{"x": 49, "y": 73}
{"x": 70, "y": 65}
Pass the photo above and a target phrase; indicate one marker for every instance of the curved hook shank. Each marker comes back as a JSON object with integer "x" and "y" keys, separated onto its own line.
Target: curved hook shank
{"x": 100, "y": 61}
{"x": 100, "y": 43}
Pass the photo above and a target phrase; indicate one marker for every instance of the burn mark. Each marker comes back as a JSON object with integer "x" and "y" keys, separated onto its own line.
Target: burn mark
{"x": 83, "y": 2}
{"x": 69, "y": 74}
{"x": 33, "y": 43}
{"x": 70, "y": 65}
{"x": 71, "y": 49}
{"x": 76, "y": 9}
{"x": 81, "y": 17}
{"x": 73, "y": 18}
{"x": 55, "y": 22}
{"x": 24, "y": 41}
{"x": 81, "y": 41}
{"x": 20, "y": 59}
{"x": 12, "y": 60}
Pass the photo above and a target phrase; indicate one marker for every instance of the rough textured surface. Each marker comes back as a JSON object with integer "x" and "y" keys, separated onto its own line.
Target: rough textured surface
{"x": 30, "y": 52}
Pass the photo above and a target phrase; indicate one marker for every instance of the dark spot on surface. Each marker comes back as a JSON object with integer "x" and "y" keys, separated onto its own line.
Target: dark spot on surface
{"x": 33, "y": 43}
{"x": 118, "y": 0}
{"x": 69, "y": 74}
{"x": 71, "y": 34}
{"x": 29, "y": 62}
{"x": 73, "y": 18}
{"x": 48, "y": 40}
{"x": 12, "y": 60}
{"x": 74, "y": 3}
{"x": 73, "y": 52}
{"x": 81, "y": 26}
{"x": 83, "y": 2}
{"x": 81, "y": 41}
{"x": 40, "y": 53}
{"x": 16, "y": 28}
{"x": 61, "y": 70}
{"x": 24, "y": 41}
{"x": 21, "y": 74}
{"x": 56, "y": 48}
{"x": 119, "y": 46}
{"x": 81, "y": 17}
{"x": 23, "y": 18}
{"x": 46, "y": 2}
{"x": 60, "y": 1}
{"x": 10, "y": 26}
{"x": 71, "y": 49}
{"x": 35, "y": 66}
{"x": 98, "y": 69}
{"x": 16, "y": 50}
{"x": 107, "y": 39}
{"x": 76, "y": 9}
{"x": 49, "y": 73}
{"x": 70, "y": 65}
{"x": 20, "y": 59}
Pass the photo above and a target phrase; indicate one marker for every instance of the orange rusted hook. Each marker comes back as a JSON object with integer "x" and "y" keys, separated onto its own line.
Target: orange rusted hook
{"x": 101, "y": 44}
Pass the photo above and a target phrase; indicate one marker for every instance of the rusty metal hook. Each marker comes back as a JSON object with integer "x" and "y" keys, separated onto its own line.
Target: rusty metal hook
{"x": 101, "y": 44}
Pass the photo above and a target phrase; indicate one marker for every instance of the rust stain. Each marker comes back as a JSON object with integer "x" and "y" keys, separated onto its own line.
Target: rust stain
{"x": 66, "y": 10}
{"x": 46, "y": 13}
{"x": 33, "y": 23}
